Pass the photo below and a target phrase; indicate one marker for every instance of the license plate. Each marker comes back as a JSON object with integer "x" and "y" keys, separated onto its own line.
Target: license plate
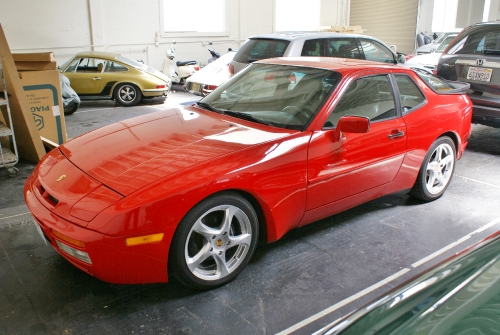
{"x": 479, "y": 74}
{"x": 195, "y": 87}
{"x": 39, "y": 230}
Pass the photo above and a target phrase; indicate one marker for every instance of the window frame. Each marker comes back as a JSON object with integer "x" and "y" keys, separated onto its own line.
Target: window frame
{"x": 395, "y": 98}
{"x": 398, "y": 100}
{"x": 378, "y": 44}
{"x": 170, "y": 34}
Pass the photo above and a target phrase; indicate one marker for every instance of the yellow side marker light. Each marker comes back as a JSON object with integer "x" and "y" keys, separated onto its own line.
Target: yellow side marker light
{"x": 144, "y": 239}
{"x": 67, "y": 238}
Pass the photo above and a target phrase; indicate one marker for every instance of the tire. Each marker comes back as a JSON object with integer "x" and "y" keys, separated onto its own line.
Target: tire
{"x": 436, "y": 171}
{"x": 71, "y": 108}
{"x": 208, "y": 250}
{"x": 128, "y": 95}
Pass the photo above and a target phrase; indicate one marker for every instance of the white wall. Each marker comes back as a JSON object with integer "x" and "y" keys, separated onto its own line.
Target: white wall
{"x": 66, "y": 27}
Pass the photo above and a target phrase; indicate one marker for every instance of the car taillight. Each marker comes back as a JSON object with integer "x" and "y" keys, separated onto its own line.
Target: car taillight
{"x": 197, "y": 68}
{"x": 435, "y": 70}
{"x": 230, "y": 67}
{"x": 160, "y": 86}
{"x": 210, "y": 87}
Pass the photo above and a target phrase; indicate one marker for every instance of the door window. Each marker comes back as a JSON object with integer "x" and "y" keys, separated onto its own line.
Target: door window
{"x": 90, "y": 65}
{"x": 368, "y": 96}
{"x": 409, "y": 94}
{"x": 343, "y": 48}
{"x": 376, "y": 52}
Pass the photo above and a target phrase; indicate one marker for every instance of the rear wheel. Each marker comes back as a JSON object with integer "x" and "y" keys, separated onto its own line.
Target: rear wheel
{"x": 128, "y": 95}
{"x": 214, "y": 242}
{"x": 436, "y": 171}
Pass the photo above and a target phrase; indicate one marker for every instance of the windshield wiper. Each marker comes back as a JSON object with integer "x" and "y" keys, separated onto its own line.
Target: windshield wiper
{"x": 247, "y": 117}
{"x": 209, "y": 107}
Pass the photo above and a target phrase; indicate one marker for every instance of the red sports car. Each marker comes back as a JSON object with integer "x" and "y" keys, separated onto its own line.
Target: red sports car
{"x": 190, "y": 191}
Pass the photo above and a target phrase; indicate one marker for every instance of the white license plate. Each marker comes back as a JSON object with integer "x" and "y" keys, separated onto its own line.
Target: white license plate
{"x": 39, "y": 230}
{"x": 479, "y": 74}
{"x": 195, "y": 87}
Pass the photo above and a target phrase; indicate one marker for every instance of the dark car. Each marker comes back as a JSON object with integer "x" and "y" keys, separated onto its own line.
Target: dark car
{"x": 474, "y": 57}
{"x": 460, "y": 296}
{"x": 313, "y": 44}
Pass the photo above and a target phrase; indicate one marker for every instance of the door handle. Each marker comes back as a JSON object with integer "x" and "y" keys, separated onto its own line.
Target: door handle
{"x": 96, "y": 78}
{"x": 396, "y": 135}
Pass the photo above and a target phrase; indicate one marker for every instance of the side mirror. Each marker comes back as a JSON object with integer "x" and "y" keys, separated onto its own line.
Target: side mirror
{"x": 401, "y": 59}
{"x": 353, "y": 124}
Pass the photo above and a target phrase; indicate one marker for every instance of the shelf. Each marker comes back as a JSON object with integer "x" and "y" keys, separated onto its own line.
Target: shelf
{"x": 4, "y": 130}
{"x": 8, "y": 157}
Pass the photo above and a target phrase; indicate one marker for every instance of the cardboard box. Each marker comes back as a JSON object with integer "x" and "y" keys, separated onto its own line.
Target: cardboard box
{"x": 43, "y": 93}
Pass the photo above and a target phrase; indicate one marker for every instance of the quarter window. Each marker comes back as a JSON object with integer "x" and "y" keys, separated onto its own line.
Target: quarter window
{"x": 115, "y": 67}
{"x": 369, "y": 96}
{"x": 313, "y": 48}
{"x": 409, "y": 94}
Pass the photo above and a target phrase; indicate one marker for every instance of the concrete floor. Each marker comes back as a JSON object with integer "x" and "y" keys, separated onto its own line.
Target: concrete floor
{"x": 297, "y": 285}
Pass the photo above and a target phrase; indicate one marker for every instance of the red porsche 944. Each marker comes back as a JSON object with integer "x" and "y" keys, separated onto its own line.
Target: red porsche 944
{"x": 188, "y": 192}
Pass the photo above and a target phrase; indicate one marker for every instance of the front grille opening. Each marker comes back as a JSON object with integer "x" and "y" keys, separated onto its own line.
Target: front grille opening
{"x": 53, "y": 200}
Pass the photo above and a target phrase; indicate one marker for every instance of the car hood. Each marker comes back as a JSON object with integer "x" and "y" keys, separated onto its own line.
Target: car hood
{"x": 131, "y": 154}
{"x": 426, "y": 48}
{"x": 427, "y": 59}
{"x": 214, "y": 73}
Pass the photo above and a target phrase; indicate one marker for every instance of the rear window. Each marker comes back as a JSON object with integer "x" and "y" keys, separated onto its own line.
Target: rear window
{"x": 477, "y": 41}
{"x": 255, "y": 49}
{"x": 442, "y": 86}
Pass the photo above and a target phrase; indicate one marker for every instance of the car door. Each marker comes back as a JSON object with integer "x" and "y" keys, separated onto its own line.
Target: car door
{"x": 85, "y": 75}
{"x": 354, "y": 163}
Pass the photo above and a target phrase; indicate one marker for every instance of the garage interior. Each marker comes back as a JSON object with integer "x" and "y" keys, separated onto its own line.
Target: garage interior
{"x": 298, "y": 285}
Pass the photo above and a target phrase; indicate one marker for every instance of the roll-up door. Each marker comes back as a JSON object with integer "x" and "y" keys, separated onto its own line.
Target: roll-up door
{"x": 391, "y": 21}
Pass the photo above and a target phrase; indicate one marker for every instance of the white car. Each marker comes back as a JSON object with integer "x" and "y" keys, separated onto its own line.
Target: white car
{"x": 430, "y": 60}
{"x": 211, "y": 76}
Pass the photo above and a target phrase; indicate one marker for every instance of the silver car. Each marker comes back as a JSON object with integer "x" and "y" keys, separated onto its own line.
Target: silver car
{"x": 313, "y": 44}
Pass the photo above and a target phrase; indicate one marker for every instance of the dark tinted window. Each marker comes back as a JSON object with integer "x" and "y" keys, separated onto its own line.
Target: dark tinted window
{"x": 313, "y": 48}
{"x": 409, "y": 94}
{"x": 255, "y": 49}
{"x": 343, "y": 48}
{"x": 477, "y": 41}
{"x": 369, "y": 96}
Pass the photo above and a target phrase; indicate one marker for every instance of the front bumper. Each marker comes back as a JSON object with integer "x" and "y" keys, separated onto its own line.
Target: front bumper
{"x": 111, "y": 260}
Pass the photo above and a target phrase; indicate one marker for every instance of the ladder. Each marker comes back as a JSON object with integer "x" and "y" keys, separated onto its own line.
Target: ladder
{"x": 8, "y": 155}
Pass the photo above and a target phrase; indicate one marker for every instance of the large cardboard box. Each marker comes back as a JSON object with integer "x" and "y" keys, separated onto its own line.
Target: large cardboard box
{"x": 43, "y": 93}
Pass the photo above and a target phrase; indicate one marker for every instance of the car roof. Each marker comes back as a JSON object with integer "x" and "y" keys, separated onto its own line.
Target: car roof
{"x": 305, "y": 35}
{"x": 331, "y": 63}
{"x": 100, "y": 54}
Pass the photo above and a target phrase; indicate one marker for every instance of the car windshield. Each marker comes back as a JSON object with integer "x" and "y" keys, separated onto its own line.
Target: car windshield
{"x": 277, "y": 95}
{"x": 129, "y": 61}
{"x": 445, "y": 43}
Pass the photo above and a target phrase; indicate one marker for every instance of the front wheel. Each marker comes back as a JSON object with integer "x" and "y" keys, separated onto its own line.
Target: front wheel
{"x": 127, "y": 95}
{"x": 214, "y": 242}
{"x": 436, "y": 171}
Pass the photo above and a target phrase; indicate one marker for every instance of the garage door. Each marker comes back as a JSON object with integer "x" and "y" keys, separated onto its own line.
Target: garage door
{"x": 392, "y": 21}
